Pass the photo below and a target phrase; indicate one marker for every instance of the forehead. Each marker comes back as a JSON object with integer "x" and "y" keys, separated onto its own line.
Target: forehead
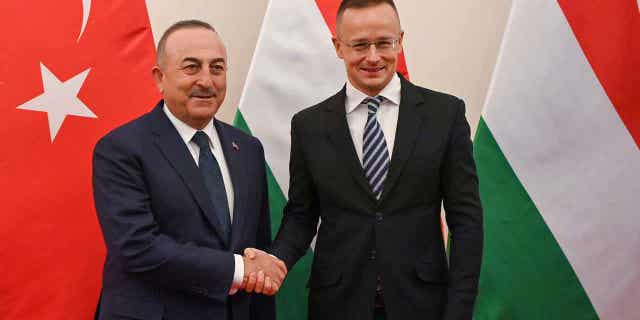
{"x": 199, "y": 43}
{"x": 369, "y": 22}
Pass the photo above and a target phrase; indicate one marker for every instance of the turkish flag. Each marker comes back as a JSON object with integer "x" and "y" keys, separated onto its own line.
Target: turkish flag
{"x": 70, "y": 71}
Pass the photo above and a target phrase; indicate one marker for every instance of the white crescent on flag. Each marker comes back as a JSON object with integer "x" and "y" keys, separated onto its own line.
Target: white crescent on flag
{"x": 86, "y": 8}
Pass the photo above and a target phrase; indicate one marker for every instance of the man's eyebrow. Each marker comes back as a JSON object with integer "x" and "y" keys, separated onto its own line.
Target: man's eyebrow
{"x": 191, "y": 59}
{"x": 365, "y": 39}
{"x": 216, "y": 60}
{"x": 198, "y": 61}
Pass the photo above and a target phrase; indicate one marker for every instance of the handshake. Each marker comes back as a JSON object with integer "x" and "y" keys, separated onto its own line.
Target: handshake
{"x": 263, "y": 273}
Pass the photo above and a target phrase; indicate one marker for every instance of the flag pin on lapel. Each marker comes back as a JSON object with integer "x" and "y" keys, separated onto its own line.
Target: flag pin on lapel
{"x": 235, "y": 146}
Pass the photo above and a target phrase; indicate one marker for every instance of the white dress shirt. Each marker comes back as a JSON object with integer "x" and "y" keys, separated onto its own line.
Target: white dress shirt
{"x": 186, "y": 133}
{"x": 387, "y": 114}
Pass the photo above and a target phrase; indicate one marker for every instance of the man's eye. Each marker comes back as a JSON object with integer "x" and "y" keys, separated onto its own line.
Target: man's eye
{"x": 384, "y": 44}
{"x": 191, "y": 68}
{"x": 217, "y": 67}
{"x": 361, "y": 46}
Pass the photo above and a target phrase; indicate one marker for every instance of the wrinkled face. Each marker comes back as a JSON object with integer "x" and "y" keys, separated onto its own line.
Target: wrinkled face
{"x": 192, "y": 75}
{"x": 369, "y": 68}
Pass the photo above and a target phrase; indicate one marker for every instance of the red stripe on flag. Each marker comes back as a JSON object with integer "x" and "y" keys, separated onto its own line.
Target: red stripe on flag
{"x": 609, "y": 34}
{"x": 329, "y": 9}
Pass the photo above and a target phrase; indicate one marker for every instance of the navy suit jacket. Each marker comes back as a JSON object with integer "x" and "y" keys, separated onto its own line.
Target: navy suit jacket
{"x": 166, "y": 258}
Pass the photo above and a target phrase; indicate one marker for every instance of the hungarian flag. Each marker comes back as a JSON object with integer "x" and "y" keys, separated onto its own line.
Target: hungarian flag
{"x": 70, "y": 71}
{"x": 294, "y": 66}
{"x": 558, "y": 159}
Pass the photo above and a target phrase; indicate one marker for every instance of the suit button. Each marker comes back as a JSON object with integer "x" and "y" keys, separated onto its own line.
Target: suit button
{"x": 379, "y": 217}
{"x": 372, "y": 255}
{"x": 200, "y": 291}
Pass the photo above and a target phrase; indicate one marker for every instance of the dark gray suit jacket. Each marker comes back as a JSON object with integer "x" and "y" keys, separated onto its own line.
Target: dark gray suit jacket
{"x": 398, "y": 237}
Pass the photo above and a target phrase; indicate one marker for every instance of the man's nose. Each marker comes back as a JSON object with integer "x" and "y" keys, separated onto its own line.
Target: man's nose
{"x": 372, "y": 54}
{"x": 205, "y": 79}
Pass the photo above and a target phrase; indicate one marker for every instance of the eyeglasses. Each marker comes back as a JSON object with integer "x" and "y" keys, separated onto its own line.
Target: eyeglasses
{"x": 383, "y": 46}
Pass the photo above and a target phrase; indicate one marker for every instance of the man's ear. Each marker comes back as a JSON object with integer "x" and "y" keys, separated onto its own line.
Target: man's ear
{"x": 400, "y": 42}
{"x": 338, "y": 46}
{"x": 158, "y": 76}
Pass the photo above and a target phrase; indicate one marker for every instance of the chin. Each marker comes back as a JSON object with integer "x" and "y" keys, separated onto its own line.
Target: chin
{"x": 374, "y": 86}
{"x": 202, "y": 112}
{"x": 199, "y": 105}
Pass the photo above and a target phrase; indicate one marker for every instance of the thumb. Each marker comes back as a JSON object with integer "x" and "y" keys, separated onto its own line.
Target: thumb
{"x": 250, "y": 253}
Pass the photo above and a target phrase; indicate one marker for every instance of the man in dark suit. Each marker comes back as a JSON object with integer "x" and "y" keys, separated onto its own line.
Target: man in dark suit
{"x": 374, "y": 163}
{"x": 179, "y": 195}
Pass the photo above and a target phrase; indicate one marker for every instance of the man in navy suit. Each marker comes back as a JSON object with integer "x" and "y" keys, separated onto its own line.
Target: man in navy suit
{"x": 180, "y": 195}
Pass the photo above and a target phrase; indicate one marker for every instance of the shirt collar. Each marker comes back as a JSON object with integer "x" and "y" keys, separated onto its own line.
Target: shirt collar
{"x": 186, "y": 132}
{"x": 391, "y": 92}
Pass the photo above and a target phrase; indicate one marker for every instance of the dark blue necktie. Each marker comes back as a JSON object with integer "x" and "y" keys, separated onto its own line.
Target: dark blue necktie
{"x": 375, "y": 156}
{"x": 210, "y": 171}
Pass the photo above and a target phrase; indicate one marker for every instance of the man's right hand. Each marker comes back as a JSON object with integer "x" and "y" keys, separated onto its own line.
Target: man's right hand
{"x": 263, "y": 273}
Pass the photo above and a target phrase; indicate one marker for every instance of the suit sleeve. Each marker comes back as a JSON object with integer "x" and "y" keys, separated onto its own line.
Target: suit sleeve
{"x": 131, "y": 233}
{"x": 300, "y": 216}
{"x": 263, "y": 307}
{"x": 463, "y": 209}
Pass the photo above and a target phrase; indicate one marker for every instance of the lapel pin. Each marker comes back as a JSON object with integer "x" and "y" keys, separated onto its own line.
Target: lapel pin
{"x": 235, "y": 146}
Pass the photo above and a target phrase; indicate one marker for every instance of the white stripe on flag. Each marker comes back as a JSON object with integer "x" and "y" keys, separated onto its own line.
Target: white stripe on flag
{"x": 294, "y": 67}
{"x": 572, "y": 153}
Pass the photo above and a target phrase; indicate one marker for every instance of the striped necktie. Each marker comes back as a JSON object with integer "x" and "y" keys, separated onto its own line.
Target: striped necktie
{"x": 375, "y": 156}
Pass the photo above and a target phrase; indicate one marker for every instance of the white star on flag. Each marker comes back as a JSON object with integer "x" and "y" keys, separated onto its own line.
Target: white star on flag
{"x": 59, "y": 99}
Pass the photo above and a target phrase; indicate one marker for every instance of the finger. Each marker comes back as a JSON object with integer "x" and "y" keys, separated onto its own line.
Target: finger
{"x": 260, "y": 283}
{"x": 275, "y": 270}
{"x": 268, "y": 286}
{"x": 280, "y": 276}
{"x": 275, "y": 286}
{"x": 281, "y": 265}
{"x": 251, "y": 283}
{"x": 282, "y": 272}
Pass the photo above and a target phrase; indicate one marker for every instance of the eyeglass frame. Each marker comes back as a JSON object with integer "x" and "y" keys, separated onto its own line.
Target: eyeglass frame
{"x": 367, "y": 45}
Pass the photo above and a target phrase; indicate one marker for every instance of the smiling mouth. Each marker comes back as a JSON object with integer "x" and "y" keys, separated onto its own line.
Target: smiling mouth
{"x": 203, "y": 96}
{"x": 372, "y": 70}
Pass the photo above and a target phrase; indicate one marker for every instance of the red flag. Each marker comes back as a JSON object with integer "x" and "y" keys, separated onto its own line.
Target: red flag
{"x": 68, "y": 74}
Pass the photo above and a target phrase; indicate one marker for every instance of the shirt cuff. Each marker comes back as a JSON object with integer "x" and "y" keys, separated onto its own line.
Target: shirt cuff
{"x": 238, "y": 274}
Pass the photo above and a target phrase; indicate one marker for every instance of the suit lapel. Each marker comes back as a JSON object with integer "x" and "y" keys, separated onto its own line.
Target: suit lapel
{"x": 409, "y": 120}
{"x": 174, "y": 149}
{"x": 340, "y": 136}
{"x": 236, "y": 163}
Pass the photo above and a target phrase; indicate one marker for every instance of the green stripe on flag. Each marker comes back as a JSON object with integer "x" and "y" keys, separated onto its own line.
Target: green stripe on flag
{"x": 525, "y": 274}
{"x": 291, "y": 300}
